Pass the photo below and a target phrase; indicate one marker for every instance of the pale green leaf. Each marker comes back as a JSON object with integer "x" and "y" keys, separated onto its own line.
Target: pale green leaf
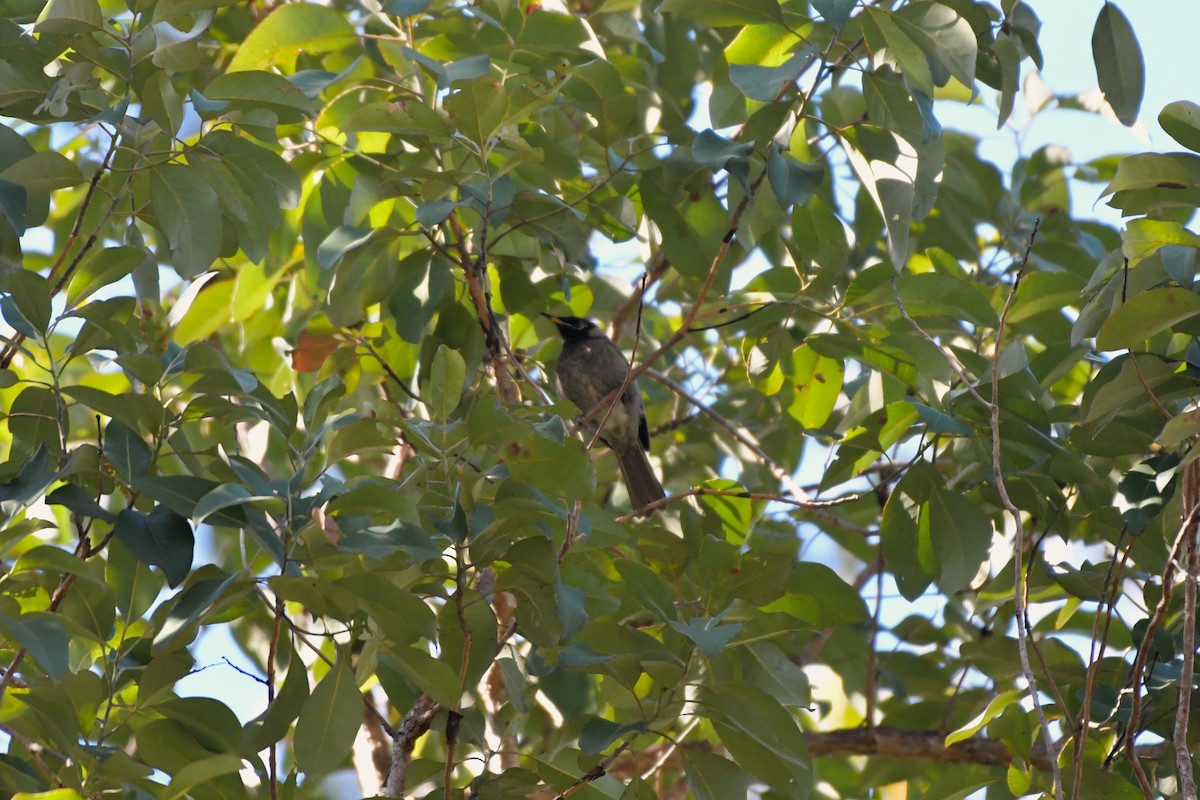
{"x": 292, "y": 28}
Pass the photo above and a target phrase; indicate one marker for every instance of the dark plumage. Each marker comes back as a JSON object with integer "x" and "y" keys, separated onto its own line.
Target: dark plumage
{"x": 589, "y": 368}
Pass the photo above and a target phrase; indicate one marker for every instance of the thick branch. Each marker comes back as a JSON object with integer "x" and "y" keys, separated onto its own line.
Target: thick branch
{"x": 929, "y": 746}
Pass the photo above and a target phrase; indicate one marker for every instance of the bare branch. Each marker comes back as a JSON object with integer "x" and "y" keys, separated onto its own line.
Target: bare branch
{"x": 890, "y": 742}
{"x": 774, "y": 498}
{"x": 1183, "y": 752}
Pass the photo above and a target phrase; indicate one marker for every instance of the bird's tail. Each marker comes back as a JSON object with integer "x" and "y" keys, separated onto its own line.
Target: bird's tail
{"x": 640, "y": 479}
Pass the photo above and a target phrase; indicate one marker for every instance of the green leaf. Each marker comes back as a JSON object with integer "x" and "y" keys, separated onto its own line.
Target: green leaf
{"x": 227, "y": 495}
{"x": 14, "y": 205}
{"x": 405, "y": 8}
{"x": 135, "y": 411}
{"x": 650, "y": 590}
{"x": 273, "y": 724}
{"x": 134, "y": 583}
{"x": 569, "y": 601}
{"x": 998, "y": 703}
{"x": 761, "y": 735}
{"x": 79, "y": 502}
{"x": 1143, "y": 237}
{"x": 766, "y": 84}
{"x": 736, "y": 513}
{"x": 477, "y": 108}
{"x": 765, "y": 667}
{"x": 1173, "y": 171}
{"x": 429, "y": 675}
{"x": 43, "y": 636}
{"x": 946, "y": 37}
{"x": 817, "y": 596}
{"x": 125, "y": 449}
{"x": 713, "y": 777}
{"x": 561, "y": 469}
{"x": 882, "y": 33}
{"x": 1181, "y": 121}
{"x": 710, "y": 637}
{"x": 401, "y": 615}
{"x": 835, "y": 12}
{"x": 909, "y": 555}
{"x": 100, "y": 269}
{"x": 201, "y": 773}
{"x": 792, "y": 182}
{"x": 720, "y": 153}
{"x": 1145, "y": 315}
{"x": 189, "y": 213}
{"x": 941, "y": 422}
{"x": 689, "y": 250}
{"x": 329, "y": 720}
{"x": 891, "y": 187}
{"x": 444, "y": 388}
{"x": 50, "y": 558}
{"x": 33, "y": 422}
{"x": 290, "y": 29}
{"x": 261, "y": 89}
{"x": 477, "y": 644}
{"x": 180, "y": 493}
{"x": 1008, "y": 55}
{"x": 30, "y": 294}
{"x": 598, "y": 734}
{"x": 341, "y": 240}
{"x": 892, "y": 106}
{"x": 71, "y": 16}
{"x": 161, "y": 102}
{"x": 44, "y": 171}
{"x": 939, "y": 294}
{"x": 434, "y": 212}
{"x": 725, "y": 13}
{"x": 1119, "y": 66}
{"x": 817, "y": 382}
{"x": 53, "y": 794}
{"x": 959, "y": 533}
{"x": 1146, "y": 489}
{"x": 161, "y": 539}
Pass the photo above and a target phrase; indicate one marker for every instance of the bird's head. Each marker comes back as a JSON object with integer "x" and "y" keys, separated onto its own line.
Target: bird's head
{"x": 574, "y": 328}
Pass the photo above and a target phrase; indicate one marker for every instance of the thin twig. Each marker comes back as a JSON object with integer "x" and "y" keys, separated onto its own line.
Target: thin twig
{"x": 1019, "y": 583}
{"x": 669, "y": 750}
{"x": 1143, "y": 653}
{"x": 1146, "y": 388}
{"x": 1183, "y": 753}
{"x": 872, "y": 642}
{"x": 1112, "y": 587}
{"x": 595, "y": 772}
{"x": 363, "y": 342}
{"x": 705, "y": 491}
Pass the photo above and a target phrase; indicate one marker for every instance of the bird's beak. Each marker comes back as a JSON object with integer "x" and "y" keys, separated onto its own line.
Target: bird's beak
{"x": 552, "y": 318}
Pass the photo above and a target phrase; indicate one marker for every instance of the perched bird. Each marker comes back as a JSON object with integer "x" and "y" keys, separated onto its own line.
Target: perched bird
{"x": 589, "y": 368}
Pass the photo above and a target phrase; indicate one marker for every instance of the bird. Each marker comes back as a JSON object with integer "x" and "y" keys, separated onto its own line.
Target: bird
{"x": 589, "y": 368}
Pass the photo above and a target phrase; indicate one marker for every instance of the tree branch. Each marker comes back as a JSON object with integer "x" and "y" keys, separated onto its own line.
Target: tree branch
{"x": 1183, "y": 753}
{"x": 887, "y": 742}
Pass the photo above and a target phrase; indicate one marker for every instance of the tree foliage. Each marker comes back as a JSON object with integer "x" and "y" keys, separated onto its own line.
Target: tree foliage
{"x": 273, "y": 274}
